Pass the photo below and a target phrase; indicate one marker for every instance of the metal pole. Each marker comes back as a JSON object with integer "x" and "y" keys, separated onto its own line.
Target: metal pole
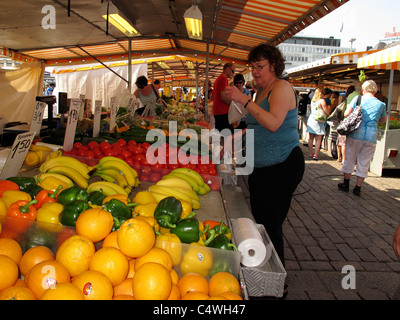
{"x": 206, "y": 84}
{"x": 389, "y": 106}
{"x": 130, "y": 64}
{"x": 197, "y": 86}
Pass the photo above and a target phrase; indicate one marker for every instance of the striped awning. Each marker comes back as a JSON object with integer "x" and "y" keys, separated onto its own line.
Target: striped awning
{"x": 352, "y": 57}
{"x": 388, "y": 59}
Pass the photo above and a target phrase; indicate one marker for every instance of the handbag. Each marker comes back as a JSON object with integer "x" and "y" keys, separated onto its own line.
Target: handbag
{"x": 320, "y": 114}
{"x": 353, "y": 121}
{"x": 337, "y": 114}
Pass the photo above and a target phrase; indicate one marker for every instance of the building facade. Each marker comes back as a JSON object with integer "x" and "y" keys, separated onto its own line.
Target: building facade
{"x": 302, "y": 50}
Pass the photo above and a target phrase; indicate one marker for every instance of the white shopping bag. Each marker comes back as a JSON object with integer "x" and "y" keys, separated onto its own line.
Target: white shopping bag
{"x": 236, "y": 112}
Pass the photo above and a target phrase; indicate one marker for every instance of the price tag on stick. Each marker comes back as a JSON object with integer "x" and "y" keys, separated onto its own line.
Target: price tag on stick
{"x": 17, "y": 155}
{"x": 113, "y": 113}
{"x": 73, "y": 114}
{"x": 97, "y": 118}
{"x": 36, "y": 123}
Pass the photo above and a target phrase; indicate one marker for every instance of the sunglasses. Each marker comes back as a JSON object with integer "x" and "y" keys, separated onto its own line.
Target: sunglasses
{"x": 238, "y": 82}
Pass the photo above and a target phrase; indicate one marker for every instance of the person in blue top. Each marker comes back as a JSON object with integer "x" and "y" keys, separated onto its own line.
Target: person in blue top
{"x": 360, "y": 145}
{"x": 278, "y": 160}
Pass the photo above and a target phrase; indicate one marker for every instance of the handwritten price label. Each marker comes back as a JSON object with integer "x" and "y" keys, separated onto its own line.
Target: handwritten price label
{"x": 113, "y": 113}
{"x": 37, "y": 116}
{"x": 73, "y": 114}
{"x": 97, "y": 118}
{"x": 17, "y": 155}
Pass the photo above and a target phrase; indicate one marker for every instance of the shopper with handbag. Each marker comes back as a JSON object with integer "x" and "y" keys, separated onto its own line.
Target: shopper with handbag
{"x": 360, "y": 144}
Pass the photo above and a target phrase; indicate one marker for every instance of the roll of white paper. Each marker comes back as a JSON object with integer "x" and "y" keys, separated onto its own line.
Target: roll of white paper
{"x": 249, "y": 242}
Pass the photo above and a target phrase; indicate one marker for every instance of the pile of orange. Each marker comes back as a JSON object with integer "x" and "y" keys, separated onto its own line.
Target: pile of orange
{"x": 128, "y": 266}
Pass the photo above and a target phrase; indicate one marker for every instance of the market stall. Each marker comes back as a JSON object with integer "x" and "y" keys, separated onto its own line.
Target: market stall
{"x": 388, "y": 143}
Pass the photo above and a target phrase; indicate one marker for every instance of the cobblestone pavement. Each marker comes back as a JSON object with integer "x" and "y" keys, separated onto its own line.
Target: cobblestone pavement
{"x": 328, "y": 229}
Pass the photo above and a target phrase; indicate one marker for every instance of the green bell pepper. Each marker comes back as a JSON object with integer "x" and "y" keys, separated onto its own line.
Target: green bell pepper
{"x": 36, "y": 236}
{"x": 168, "y": 212}
{"x": 71, "y": 212}
{"x": 187, "y": 230}
{"x": 220, "y": 264}
{"x": 96, "y": 198}
{"x": 119, "y": 210}
{"x": 72, "y": 194}
{"x": 221, "y": 241}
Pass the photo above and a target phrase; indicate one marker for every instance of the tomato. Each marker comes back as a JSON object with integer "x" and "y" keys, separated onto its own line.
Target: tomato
{"x": 139, "y": 157}
{"x": 116, "y": 148}
{"x": 173, "y": 166}
{"x": 154, "y": 177}
{"x": 144, "y": 162}
{"x": 126, "y": 154}
{"x": 122, "y": 143}
{"x": 157, "y": 167}
{"x": 90, "y": 154}
{"x": 129, "y": 161}
{"x": 144, "y": 177}
{"x": 109, "y": 152}
{"x": 77, "y": 145}
{"x": 145, "y": 170}
{"x": 104, "y": 145}
{"x": 93, "y": 145}
{"x": 137, "y": 150}
{"x": 132, "y": 143}
{"x": 145, "y": 145}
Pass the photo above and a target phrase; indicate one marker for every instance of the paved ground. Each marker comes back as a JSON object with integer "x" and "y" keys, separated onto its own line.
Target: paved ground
{"x": 328, "y": 229}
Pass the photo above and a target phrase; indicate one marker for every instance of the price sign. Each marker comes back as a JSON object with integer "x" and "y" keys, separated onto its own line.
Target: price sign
{"x": 82, "y": 109}
{"x": 17, "y": 154}
{"x": 97, "y": 118}
{"x": 113, "y": 113}
{"x": 73, "y": 114}
{"x": 36, "y": 123}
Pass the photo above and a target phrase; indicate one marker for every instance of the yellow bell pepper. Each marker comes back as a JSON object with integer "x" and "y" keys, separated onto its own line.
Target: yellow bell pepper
{"x": 11, "y": 196}
{"x": 197, "y": 259}
{"x": 52, "y": 183}
{"x": 3, "y": 208}
{"x": 164, "y": 230}
{"x": 48, "y": 216}
{"x": 146, "y": 210}
{"x": 186, "y": 208}
{"x": 144, "y": 197}
{"x": 172, "y": 244}
{"x": 151, "y": 221}
{"x": 121, "y": 197}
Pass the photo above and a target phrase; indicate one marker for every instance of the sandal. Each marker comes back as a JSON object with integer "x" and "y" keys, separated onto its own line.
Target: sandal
{"x": 315, "y": 158}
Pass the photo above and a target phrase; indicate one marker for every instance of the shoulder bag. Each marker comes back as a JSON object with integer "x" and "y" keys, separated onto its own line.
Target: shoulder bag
{"x": 353, "y": 121}
{"x": 319, "y": 114}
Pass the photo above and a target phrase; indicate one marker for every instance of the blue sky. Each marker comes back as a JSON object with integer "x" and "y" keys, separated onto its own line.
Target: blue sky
{"x": 365, "y": 20}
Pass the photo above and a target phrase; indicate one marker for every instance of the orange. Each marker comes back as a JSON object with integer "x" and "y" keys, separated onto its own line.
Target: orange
{"x": 135, "y": 237}
{"x": 131, "y": 271}
{"x": 230, "y": 296}
{"x": 124, "y": 288}
{"x": 195, "y": 295}
{"x": 95, "y": 224}
{"x": 46, "y": 275}
{"x": 223, "y": 282}
{"x": 75, "y": 254}
{"x": 17, "y": 293}
{"x": 192, "y": 282}
{"x": 174, "y": 276}
{"x": 8, "y": 272}
{"x": 151, "y": 221}
{"x": 11, "y": 248}
{"x": 123, "y": 297}
{"x": 34, "y": 256}
{"x": 94, "y": 285}
{"x": 155, "y": 255}
{"x": 63, "y": 291}
{"x": 217, "y": 298}
{"x": 112, "y": 263}
{"x": 111, "y": 240}
{"x": 175, "y": 293}
{"x": 152, "y": 281}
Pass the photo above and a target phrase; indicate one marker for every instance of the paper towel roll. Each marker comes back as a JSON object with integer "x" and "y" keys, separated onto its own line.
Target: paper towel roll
{"x": 249, "y": 242}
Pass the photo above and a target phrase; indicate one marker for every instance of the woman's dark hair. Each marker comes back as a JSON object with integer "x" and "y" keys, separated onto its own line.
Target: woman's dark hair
{"x": 327, "y": 91}
{"x": 349, "y": 91}
{"x": 238, "y": 77}
{"x": 141, "y": 82}
{"x": 270, "y": 53}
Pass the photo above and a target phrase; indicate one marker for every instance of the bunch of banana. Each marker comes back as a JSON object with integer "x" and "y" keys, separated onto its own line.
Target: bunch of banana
{"x": 107, "y": 188}
{"x": 191, "y": 177}
{"x": 37, "y": 155}
{"x": 70, "y": 167}
{"x": 175, "y": 188}
{"x": 117, "y": 171}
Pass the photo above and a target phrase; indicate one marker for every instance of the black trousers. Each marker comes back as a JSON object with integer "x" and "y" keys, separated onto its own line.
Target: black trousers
{"x": 222, "y": 122}
{"x": 271, "y": 190}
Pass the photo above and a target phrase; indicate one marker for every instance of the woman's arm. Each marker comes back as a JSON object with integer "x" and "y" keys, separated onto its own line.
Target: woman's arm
{"x": 324, "y": 106}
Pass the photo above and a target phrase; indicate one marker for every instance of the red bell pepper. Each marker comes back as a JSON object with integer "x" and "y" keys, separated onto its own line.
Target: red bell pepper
{"x": 7, "y": 185}
{"x": 22, "y": 213}
{"x": 46, "y": 196}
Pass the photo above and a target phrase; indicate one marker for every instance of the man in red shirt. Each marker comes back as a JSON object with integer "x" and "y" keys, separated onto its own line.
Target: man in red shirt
{"x": 220, "y": 103}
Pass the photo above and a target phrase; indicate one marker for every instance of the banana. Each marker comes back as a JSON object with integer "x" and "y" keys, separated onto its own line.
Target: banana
{"x": 202, "y": 190}
{"x": 71, "y": 173}
{"x": 54, "y": 154}
{"x": 207, "y": 187}
{"x": 35, "y": 147}
{"x": 121, "y": 166}
{"x": 175, "y": 182}
{"x": 137, "y": 182}
{"x": 105, "y": 177}
{"x": 116, "y": 174}
{"x": 195, "y": 204}
{"x": 42, "y": 155}
{"x": 61, "y": 177}
{"x": 170, "y": 191}
{"x": 64, "y": 161}
{"x": 108, "y": 188}
{"x": 195, "y": 175}
{"x": 159, "y": 196}
{"x": 183, "y": 176}
{"x": 123, "y": 162}
{"x": 190, "y": 193}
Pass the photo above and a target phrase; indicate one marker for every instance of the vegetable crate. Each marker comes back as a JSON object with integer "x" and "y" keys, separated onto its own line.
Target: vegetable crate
{"x": 267, "y": 279}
